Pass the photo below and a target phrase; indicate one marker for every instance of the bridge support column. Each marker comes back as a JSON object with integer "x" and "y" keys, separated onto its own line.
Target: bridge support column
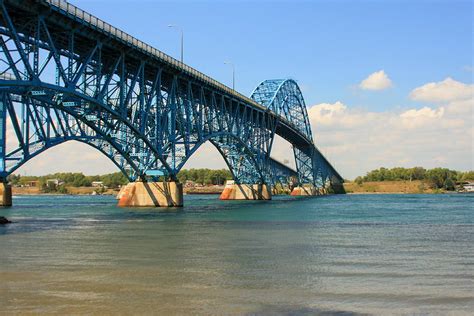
{"x": 5, "y": 194}
{"x": 234, "y": 191}
{"x": 121, "y": 192}
{"x": 307, "y": 191}
{"x": 159, "y": 194}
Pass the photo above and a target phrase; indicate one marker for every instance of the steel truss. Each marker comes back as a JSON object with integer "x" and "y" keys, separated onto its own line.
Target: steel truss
{"x": 64, "y": 77}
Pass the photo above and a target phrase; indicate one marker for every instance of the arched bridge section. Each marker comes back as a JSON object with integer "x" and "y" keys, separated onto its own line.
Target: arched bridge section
{"x": 67, "y": 75}
{"x": 284, "y": 98}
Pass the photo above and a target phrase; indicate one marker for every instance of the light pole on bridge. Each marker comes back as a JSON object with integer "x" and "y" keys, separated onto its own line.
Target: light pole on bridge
{"x": 182, "y": 38}
{"x": 233, "y": 73}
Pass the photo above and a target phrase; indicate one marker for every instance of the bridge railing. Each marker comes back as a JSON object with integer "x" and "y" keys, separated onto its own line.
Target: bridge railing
{"x": 110, "y": 30}
{"x": 85, "y": 18}
{"x": 103, "y": 26}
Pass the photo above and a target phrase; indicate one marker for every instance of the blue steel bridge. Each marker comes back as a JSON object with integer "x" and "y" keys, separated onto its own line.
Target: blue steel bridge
{"x": 67, "y": 75}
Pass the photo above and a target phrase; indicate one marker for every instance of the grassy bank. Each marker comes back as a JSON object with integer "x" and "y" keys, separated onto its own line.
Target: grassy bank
{"x": 403, "y": 186}
{"x": 70, "y": 190}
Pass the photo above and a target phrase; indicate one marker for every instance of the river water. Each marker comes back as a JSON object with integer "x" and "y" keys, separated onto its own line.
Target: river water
{"x": 334, "y": 255}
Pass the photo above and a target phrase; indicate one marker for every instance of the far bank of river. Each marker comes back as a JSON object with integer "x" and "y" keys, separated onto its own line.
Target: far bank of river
{"x": 388, "y": 187}
{"x": 381, "y": 187}
{"x": 90, "y": 190}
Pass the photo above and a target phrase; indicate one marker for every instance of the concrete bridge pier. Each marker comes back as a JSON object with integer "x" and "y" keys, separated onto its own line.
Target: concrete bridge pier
{"x": 233, "y": 191}
{"x": 309, "y": 190}
{"x": 5, "y": 194}
{"x": 158, "y": 194}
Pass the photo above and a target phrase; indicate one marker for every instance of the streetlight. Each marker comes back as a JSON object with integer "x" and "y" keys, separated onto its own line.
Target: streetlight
{"x": 233, "y": 73}
{"x": 182, "y": 37}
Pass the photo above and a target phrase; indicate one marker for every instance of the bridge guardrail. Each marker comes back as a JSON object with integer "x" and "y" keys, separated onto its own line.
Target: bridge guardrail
{"x": 111, "y": 30}
{"x": 81, "y": 16}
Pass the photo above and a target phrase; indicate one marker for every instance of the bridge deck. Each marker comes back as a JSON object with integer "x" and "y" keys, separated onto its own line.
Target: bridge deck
{"x": 64, "y": 13}
{"x": 74, "y": 12}
{"x": 104, "y": 27}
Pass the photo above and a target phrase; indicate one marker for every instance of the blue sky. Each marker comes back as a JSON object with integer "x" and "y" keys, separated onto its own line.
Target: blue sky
{"x": 328, "y": 46}
{"x": 387, "y": 83}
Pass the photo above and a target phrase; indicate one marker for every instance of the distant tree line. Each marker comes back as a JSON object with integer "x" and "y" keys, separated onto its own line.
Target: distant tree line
{"x": 114, "y": 180}
{"x": 437, "y": 178}
{"x": 205, "y": 176}
{"x": 70, "y": 179}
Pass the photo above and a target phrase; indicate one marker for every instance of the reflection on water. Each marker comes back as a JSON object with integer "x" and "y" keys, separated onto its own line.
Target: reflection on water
{"x": 337, "y": 255}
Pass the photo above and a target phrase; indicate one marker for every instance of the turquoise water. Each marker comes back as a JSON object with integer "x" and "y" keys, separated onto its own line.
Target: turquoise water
{"x": 334, "y": 255}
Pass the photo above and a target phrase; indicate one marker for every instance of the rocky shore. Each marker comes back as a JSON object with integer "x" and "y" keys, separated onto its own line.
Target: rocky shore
{"x": 4, "y": 220}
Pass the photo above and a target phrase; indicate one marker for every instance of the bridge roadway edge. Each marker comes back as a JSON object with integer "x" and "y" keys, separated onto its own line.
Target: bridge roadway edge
{"x": 56, "y": 12}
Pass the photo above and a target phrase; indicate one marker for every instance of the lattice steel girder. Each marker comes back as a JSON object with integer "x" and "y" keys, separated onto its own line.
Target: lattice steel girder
{"x": 284, "y": 97}
{"x": 66, "y": 75}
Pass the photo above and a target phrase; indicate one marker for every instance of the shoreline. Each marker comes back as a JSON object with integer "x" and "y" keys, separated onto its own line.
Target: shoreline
{"x": 411, "y": 193}
{"x": 218, "y": 193}
{"x": 381, "y": 187}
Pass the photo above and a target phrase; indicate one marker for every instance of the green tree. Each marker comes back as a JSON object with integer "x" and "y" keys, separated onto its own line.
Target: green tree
{"x": 449, "y": 184}
{"x": 467, "y": 176}
{"x": 417, "y": 173}
{"x": 113, "y": 180}
{"x": 439, "y": 178}
{"x": 62, "y": 189}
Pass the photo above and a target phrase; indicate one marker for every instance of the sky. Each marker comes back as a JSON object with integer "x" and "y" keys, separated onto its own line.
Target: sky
{"x": 386, "y": 83}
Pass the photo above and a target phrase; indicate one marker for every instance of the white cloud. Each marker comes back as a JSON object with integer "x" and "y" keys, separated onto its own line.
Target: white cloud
{"x": 376, "y": 81}
{"x": 359, "y": 140}
{"x": 415, "y": 118}
{"x": 327, "y": 111}
{"x": 460, "y": 106}
{"x": 207, "y": 156}
{"x": 356, "y": 140}
{"x": 71, "y": 156}
{"x": 443, "y": 91}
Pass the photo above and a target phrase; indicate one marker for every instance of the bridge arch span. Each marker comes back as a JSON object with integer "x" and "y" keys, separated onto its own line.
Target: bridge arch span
{"x": 97, "y": 144}
{"x": 66, "y": 75}
{"x": 284, "y": 97}
{"x": 51, "y": 115}
{"x": 238, "y": 157}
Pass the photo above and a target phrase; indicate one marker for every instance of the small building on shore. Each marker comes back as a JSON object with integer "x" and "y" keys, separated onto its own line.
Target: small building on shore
{"x": 33, "y": 184}
{"x": 54, "y": 183}
{"x": 97, "y": 184}
{"x": 467, "y": 187}
{"x": 189, "y": 184}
